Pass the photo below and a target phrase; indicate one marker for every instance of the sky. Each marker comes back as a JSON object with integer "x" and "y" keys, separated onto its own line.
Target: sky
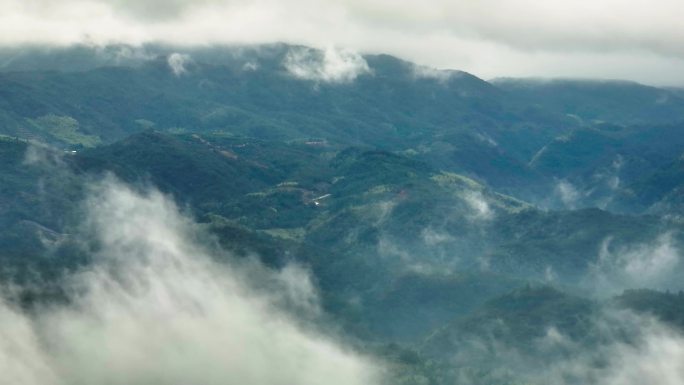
{"x": 641, "y": 40}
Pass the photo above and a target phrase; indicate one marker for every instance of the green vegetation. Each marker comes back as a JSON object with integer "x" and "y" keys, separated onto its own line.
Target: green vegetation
{"x": 459, "y": 230}
{"x": 64, "y": 129}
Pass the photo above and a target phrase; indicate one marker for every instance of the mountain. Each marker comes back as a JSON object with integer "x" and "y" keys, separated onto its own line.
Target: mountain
{"x": 591, "y": 102}
{"x": 510, "y": 134}
{"x": 518, "y": 318}
{"x": 456, "y": 229}
{"x": 505, "y": 339}
{"x": 382, "y": 232}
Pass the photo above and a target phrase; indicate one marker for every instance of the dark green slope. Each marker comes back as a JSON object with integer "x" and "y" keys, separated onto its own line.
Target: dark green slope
{"x": 661, "y": 191}
{"x": 186, "y": 167}
{"x": 618, "y": 102}
{"x": 519, "y": 137}
{"x": 378, "y": 108}
{"x": 38, "y": 200}
{"x": 400, "y": 250}
{"x": 625, "y": 169}
{"x": 362, "y": 219}
{"x": 507, "y": 339}
{"x": 452, "y": 120}
{"x": 517, "y": 319}
{"x": 395, "y": 190}
{"x": 385, "y": 213}
{"x": 416, "y": 303}
{"x": 667, "y": 307}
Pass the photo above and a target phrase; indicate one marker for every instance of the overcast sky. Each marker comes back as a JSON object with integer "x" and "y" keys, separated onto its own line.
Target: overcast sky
{"x": 641, "y": 40}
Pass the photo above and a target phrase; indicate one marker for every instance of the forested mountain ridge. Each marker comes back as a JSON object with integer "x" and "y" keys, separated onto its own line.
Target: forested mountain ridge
{"x": 449, "y": 224}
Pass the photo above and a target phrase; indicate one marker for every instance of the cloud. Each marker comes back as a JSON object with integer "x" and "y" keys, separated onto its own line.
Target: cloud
{"x": 568, "y": 194}
{"x": 177, "y": 63}
{"x": 653, "y": 265}
{"x": 39, "y": 154}
{"x": 633, "y": 350}
{"x": 658, "y": 359}
{"x": 432, "y": 237}
{"x": 250, "y": 66}
{"x": 639, "y": 40}
{"x": 155, "y": 308}
{"x": 479, "y": 205}
{"x": 630, "y": 350}
{"x": 331, "y": 65}
{"x": 427, "y": 72}
{"x": 22, "y": 359}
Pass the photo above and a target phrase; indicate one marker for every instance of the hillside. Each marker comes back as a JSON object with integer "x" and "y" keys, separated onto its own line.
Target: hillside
{"x": 456, "y": 230}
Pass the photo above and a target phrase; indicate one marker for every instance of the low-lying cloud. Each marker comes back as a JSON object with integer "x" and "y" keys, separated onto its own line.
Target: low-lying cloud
{"x": 331, "y": 65}
{"x": 631, "y": 350}
{"x": 568, "y": 194}
{"x": 156, "y": 308}
{"x": 178, "y": 62}
{"x": 479, "y": 205}
{"x": 426, "y": 72}
{"x": 653, "y": 265}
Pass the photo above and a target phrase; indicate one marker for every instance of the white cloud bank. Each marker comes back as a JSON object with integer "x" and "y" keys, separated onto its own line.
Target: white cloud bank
{"x": 156, "y": 309}
{"x": 641, "y": 39}
{"x": 658, "y": 359}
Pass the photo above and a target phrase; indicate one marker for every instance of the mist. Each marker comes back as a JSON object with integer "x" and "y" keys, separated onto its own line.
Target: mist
{"x": 155, "y": 307}
{"x": 655, "y": 265}
{"x": 177, "y": 63}
{"x": 618, "y": 347}
{"x": 332, "y": 65}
